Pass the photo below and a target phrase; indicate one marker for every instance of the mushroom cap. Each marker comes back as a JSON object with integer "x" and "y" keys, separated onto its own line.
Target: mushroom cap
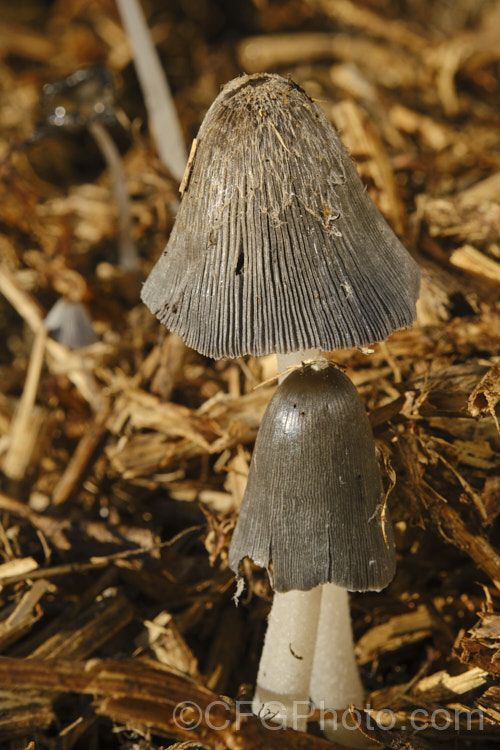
{"x": 312, "y": 512}
{"x": 277, "y": 246}
{"x": 68, "y": 322}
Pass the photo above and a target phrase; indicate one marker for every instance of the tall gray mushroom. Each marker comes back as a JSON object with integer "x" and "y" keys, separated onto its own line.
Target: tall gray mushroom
{"x": 313, "y": 514}
{"x": 315, "y": 479}
{"x": 277, "y": 246}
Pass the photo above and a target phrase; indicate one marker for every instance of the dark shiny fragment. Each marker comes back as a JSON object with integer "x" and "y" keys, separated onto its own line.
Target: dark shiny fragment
{"x": 277, "y": 246}
{"x": 312, "y": 509}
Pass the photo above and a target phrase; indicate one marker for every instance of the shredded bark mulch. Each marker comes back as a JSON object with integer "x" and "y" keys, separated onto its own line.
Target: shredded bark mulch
{"x": 124, "y": 462}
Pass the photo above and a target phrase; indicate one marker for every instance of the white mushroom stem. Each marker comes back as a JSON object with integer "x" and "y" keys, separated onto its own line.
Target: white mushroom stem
{"x": 285, "y": 667}
{"x": 308, "y": 650}
{"x": 295, "y": 358}
{"x": 335, "y": 682}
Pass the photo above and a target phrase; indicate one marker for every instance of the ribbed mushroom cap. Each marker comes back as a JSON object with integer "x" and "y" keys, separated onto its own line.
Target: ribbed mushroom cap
{"x": 277, "y": 246}
{"x": 312, "y": 512}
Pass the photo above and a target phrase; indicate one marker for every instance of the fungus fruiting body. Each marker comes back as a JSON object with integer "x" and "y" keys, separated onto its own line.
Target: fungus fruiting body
{"x": 68, "y": 323}
{"x": 335, "y": 683}
{"x": 308, "y": 662}
{"x": 312, "y": 514}
{"x": 285, "y": 668}
{"x": 315, "y": 479}
{"x": 277, "y": 246}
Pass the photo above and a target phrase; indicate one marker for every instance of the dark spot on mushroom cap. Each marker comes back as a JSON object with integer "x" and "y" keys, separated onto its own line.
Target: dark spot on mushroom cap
{"x": 240, "y": 263}
{"x": 260, "y": 184}
{"x": 312, "y": 502}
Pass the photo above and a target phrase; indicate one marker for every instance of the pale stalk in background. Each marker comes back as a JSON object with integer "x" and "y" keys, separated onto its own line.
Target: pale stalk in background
{"x": 163, "y": 118}
{"x": 127, "y": 252}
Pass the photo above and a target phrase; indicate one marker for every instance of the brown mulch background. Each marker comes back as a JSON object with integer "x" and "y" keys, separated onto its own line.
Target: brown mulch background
{"x": 123, "y": 464}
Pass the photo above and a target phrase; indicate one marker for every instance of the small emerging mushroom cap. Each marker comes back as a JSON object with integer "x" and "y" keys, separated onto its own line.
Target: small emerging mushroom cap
{"x": 69, "y": 324}
{"x": 312, "y": 512}
{"x": 277, "y": 246}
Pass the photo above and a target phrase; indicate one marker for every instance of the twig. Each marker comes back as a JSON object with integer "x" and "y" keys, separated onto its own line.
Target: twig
{"x": 24, "y": 429}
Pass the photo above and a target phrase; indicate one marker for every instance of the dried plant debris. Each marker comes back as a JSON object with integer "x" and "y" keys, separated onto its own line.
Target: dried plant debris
{"x": 277, "y": 247}
{"x": 123, "y": 465}
{"x": 481, "y": 646}
{"x": 315, "y": 479}
{"x": 128, "y": 690}
{"x": 486, "y": 395}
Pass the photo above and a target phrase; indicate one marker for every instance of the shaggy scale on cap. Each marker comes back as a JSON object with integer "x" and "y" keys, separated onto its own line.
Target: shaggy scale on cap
{"x": 277, "y": 246}
{"x": 311, "y": 512}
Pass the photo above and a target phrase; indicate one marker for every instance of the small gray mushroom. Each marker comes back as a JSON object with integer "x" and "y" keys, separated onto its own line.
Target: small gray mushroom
{"x": 277, "y": 246}
{"x": 68, "y": 323}
{"x": 312, "y": 512}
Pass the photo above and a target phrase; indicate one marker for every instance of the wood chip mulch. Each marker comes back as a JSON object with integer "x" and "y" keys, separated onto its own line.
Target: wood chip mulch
{"x": 124, "y": 463}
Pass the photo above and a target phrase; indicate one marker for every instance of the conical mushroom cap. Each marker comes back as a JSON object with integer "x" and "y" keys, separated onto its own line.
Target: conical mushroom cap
{"x": 68, "y": 322}
{"x": 312, "y": 512}
{"x": 277, "y": 246}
